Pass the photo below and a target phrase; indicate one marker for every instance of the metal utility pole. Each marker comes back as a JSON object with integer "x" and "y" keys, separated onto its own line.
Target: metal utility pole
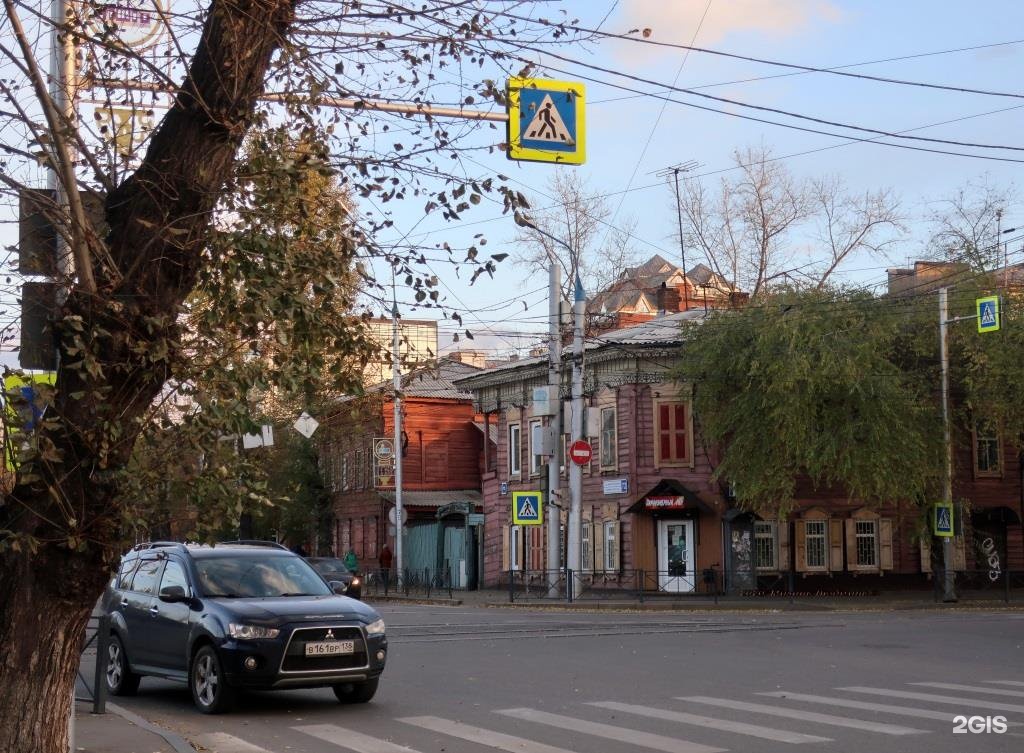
{"x": 555, "y": 388}
{"x": 579, "y": 310}
{"x": 396, "y": 377}
{"x": 949, "y": 583}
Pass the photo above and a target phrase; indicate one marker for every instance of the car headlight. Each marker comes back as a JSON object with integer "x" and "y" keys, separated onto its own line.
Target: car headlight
{"x": 251, "y": 632}
{"x": 376, "y": 627}
{"x": 355, "y": 582}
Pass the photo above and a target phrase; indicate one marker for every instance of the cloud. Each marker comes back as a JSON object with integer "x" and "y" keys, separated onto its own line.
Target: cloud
{"x": 676, "y": 21}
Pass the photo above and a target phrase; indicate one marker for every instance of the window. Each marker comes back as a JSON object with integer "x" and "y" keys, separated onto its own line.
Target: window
{"x": 609, "y": 444}
{"x": 360, "y": 479}
{"x": 124, "y": 576}
{"x": 513, "y": 547}
{"x": 146, "y": 577}
{"x": 765, "y": 546}
{"x": 174, "y": 576}
{"x": 986, "y": 448}
{"x": 671, "y": 434}
{"x": 815, "y": 532}
{"x": 867, "y": 543}
{"x": 587, "y": 560}
{"x": 344, "y": 472}
{"x": 536, "y": 447}
{"x": 610, "y": 546}
{"x": 515, "y": 450}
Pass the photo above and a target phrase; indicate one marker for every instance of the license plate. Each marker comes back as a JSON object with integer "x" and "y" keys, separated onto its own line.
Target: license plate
{"x": 330, "y": 648}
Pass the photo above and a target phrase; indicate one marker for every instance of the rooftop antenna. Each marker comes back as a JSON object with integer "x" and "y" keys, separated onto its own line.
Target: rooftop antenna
{"x": 674, "y": 171}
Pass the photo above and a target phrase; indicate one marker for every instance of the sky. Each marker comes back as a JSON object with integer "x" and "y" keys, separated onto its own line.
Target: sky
{"x": 631, "y": 137}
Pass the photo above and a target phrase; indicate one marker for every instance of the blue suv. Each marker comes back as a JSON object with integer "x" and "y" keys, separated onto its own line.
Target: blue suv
{"x": 237, "y": 616}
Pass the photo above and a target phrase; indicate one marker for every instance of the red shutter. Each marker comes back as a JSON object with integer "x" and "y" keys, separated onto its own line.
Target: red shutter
{"x": 680, "y": 432}
{"x": 664, "y": 432}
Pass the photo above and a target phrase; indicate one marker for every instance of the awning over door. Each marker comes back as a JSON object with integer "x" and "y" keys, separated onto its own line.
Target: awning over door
{"x": 668, "y": 495}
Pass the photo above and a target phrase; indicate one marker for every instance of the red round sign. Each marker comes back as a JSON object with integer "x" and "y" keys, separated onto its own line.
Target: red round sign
{"x": 580, "y": 452}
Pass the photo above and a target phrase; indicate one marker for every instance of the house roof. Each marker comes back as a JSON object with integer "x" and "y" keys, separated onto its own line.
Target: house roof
{"x": 433, "y": 381}
{"x": 434, "y": 498}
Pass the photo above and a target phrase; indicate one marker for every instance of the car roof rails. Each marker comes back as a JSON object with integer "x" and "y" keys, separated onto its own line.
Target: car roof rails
{"x": 155, "y": 545}
{"x": 254, "y": 542}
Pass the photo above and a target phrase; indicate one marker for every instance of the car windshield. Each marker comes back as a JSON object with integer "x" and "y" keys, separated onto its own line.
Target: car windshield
{"x": 329, "y": 565}
{"x": 249, "y": 577}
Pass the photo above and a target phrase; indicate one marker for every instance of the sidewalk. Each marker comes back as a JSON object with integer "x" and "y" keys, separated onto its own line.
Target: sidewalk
{"x": 885, "y": 601}
{"x": 121, "y": 731}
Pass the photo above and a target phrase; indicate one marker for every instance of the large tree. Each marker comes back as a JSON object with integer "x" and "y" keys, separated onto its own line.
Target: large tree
{"x": 227, "y": 65}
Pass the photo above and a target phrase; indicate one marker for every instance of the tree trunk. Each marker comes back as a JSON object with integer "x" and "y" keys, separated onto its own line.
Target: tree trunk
{"x": 43, "y": 613}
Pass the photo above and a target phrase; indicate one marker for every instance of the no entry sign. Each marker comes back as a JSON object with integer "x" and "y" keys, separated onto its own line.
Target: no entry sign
{"x": 580, "y": 452}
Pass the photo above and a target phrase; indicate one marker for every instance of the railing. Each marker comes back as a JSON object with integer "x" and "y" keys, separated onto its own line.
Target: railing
{"x": 413, "y": 582}
{"x": 97, "y": 635}
{"x": 984, "y": 585}
{"x": 631, "y": 585}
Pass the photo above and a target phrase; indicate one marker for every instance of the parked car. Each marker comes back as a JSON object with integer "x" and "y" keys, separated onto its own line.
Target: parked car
{"x": 238, "y": 616}
{"x": 332, "y": 568}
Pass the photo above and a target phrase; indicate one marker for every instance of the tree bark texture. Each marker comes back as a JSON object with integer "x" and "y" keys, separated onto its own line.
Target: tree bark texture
{"x": 117, "y": 349}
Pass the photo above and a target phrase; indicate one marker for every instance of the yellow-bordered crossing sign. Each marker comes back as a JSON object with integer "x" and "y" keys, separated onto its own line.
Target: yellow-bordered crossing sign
{"x": 546, "y": 121}
{"x": 527, "y": 508}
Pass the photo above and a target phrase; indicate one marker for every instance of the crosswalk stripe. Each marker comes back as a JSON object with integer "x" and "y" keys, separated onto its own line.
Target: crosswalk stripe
{"x": 885, "y": 708}
{"x": 740, "y": 728}
{"x": 1014, "y": 683}
{"x": 958, "y": 701}
{"x": 486, "y": 737}
{"x": 222, "y": 742}
{"x": 350, "y": 739}
{"x": 970, "y": 688}
{"x": 609, "y": 732}
{"x": 808, "y": 716}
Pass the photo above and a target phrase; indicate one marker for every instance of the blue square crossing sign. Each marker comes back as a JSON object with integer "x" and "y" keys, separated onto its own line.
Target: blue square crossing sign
{"x": 988, "y": 313}
{"x": 942, "y": 519}
{"x": 527, "y": 508}
{"x": 546, "y": 121}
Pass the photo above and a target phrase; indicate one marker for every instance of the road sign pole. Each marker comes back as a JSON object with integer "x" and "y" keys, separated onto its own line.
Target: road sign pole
{"x": 396, "y": 375}
{"x": 554, "y": 387}
{"x": 576, "y": 471}
{"x": 949, "y": 575}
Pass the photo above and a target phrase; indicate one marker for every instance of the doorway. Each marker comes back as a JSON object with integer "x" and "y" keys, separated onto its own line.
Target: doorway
{"x": 676, "y": 556}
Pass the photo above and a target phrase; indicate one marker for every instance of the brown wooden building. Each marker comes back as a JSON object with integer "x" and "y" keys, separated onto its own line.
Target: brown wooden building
{"x": 441, "y": 449}
{"x": 652, "y": 513}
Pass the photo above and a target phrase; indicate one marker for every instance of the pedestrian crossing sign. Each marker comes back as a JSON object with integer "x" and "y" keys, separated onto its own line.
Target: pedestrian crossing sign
{"x": 988, "y": 313}
{"x": 527, "y": 508}
{"x": 546, "y": 121}
{"x": 942, "y": 519}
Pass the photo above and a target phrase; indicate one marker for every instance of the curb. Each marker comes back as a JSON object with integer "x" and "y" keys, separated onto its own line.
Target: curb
{"x": 414, "y": 600}
{"x": 176, "y": 741}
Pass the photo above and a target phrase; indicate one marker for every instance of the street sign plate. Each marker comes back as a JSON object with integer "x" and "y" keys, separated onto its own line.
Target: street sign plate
{"x": 942, "y": 519}
{"x": 305, "y": 424}
{"x": 503, "y": 488}
{"x": 546, "y": 121}
{"x": 527, "y": 508}
{"x": 384, "y": 448}
{"x": 988, "y": 313}
{"x": 615, "y": 486}
{"x": 580, "y": 452}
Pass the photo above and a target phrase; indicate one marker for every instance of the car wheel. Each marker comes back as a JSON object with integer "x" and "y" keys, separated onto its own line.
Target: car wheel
{"x": 356, "y": 692}
{"x": 210, "y": 691}
{"x": 120, "y": 679}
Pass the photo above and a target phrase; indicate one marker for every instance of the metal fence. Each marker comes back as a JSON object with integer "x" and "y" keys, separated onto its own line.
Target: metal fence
{"x": 413, "y": 582}
{"x": 984, "y": 585}
{"x": 631, "y": 585}
{"x": 96, "y": 640}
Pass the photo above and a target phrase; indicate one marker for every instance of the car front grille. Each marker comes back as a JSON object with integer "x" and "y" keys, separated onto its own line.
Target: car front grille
{"x": 295, "y": 659}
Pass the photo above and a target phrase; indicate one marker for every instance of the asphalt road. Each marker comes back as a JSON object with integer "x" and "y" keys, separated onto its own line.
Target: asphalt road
{"x": 476, "y": 680}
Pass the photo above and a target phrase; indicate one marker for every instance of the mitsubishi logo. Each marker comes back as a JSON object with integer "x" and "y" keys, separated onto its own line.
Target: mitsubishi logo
{"x": 330, "y": 635}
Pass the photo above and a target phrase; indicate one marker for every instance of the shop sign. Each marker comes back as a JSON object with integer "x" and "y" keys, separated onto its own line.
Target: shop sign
{"x": 665, "y": 503}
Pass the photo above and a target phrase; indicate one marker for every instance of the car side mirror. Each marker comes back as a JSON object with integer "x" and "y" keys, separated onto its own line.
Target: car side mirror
{"x": 338, "y": 586}
{"x": 173, "y": 594}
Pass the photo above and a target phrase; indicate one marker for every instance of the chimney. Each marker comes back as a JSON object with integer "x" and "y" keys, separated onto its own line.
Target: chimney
{"x": 662, "y": 291}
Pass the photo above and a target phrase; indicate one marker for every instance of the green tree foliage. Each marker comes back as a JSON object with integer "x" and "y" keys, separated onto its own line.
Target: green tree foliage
{"x": 834, "y": 386}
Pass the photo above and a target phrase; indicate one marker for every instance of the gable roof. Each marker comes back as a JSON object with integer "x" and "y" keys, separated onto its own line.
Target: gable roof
{"x": 436, "y": 380}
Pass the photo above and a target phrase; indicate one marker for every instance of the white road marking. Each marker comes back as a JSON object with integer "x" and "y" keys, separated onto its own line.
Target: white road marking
{"x": 222, "y": 742}
{"x": 610, "y": 732}
{"x": 970, "y": 688}
{"x": 807, "y": 716}
{"x": 968, "y": 703}
{"x": 1014, "y": 683}
{"x": 709, "y": 722}
{"x": 885, "y": 708}
{"x": 479, "y": 735}
{"x": 350, "y": 739}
